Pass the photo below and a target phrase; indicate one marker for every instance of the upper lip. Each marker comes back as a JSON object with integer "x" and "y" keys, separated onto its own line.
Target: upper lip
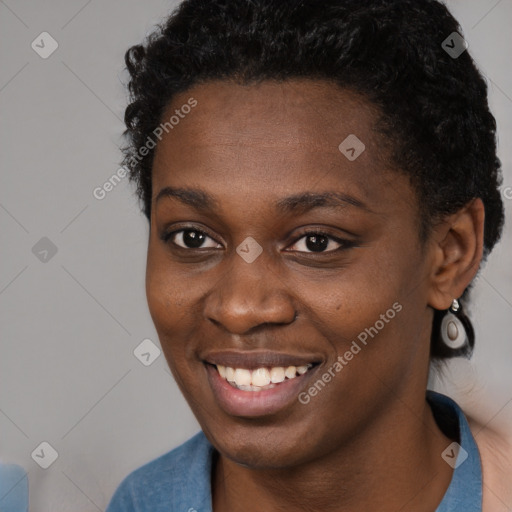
{"x": 258, "y": 359}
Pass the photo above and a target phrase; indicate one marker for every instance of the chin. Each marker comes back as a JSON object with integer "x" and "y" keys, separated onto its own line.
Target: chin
{"x": 257, "y": 447}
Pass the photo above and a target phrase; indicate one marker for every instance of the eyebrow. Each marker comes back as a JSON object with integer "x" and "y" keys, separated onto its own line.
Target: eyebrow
{"x": 301, "y": 203}
{"x": 296, "y": 204}
{"x": 198, "y": 199}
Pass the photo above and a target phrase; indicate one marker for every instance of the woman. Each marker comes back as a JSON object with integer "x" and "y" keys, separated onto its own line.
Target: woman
{"x": 321, "y": 183}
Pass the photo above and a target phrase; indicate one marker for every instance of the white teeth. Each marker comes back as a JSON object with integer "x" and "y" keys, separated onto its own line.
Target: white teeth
{"x": 230, "y": 374}
{"x": 222, "y": 370}
{"x": 290, "y": 372}
{"x": 302, "y": 369}
{"x": 261, "y": 378}
{"x": 277, "y": 374}
{"x": 242, "y": 377}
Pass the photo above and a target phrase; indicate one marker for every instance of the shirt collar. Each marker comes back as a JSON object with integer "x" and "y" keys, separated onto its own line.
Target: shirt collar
{"x": 465, "y": 489}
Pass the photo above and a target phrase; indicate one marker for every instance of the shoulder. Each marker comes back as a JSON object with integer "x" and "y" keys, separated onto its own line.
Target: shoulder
{"x": 492, "y": 441}
{"x": 495, "y": 448}
{"x": 465, "y": 489}
{"x": 169, "y": 482}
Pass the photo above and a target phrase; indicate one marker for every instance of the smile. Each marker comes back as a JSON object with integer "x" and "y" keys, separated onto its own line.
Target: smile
{"x": 260, "y": 379}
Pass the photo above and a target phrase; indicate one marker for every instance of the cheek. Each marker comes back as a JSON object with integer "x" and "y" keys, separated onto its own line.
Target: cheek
{"x": 353, "y": 298}
{"x": 168, "y": 287}
{"x": 167, "y": 294}
{"x": 175, "y": 298}
{"x": 370, "y": 302}
{"x": 170, "y": 308}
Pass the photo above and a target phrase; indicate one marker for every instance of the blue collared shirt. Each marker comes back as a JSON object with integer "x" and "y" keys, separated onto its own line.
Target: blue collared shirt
{"x": 180, "y": 480}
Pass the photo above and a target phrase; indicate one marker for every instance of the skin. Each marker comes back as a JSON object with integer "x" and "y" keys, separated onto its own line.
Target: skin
{"x": 495, "y": 447}
{"x": 368, "y": 440}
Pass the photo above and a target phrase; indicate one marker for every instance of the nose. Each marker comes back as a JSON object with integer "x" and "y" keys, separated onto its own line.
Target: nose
{"x": 248, "y": 296}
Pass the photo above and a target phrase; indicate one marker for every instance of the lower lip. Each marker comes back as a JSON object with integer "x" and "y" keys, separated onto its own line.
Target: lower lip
{"x": 237, "y": 402}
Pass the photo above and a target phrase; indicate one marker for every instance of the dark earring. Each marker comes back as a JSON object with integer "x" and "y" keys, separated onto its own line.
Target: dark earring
{"x": 456, "y": 330}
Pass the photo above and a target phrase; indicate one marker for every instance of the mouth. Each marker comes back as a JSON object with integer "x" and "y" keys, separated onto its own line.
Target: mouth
{"x": 262, "y": 378}
{"x": 258, "y": 384}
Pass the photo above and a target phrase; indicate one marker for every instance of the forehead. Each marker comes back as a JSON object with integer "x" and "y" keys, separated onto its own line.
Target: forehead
{"x": 272, "y": 137}
{"x": 296, "y": 112}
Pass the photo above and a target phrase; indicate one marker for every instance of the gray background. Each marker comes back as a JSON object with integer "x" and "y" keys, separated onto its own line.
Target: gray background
{"x": 69, "y": 325}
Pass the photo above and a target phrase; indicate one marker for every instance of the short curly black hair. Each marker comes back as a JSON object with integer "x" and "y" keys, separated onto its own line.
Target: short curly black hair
{"x": 433, "y": 104}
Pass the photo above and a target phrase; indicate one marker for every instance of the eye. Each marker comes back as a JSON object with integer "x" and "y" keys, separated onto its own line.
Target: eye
{"x": 191, "y": 239}
{"x": 319, "y": 242}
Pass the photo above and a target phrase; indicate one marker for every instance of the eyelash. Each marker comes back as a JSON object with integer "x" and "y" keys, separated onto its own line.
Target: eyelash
{"x": 344, "y": 244}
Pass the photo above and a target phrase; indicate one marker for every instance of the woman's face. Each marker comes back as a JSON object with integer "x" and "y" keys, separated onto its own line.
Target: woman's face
{"x": 241, "y": 180}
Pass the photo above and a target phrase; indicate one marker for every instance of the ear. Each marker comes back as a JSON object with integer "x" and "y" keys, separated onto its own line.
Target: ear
{"x": 457, "y": 248}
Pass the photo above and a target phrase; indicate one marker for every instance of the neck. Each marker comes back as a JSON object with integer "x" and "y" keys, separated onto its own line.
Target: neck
{"x": 374, "y": 471}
